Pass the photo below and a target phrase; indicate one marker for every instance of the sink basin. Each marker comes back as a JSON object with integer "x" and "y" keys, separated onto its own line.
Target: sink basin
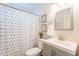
{"x": 67, "y": 46}
{"x": 65, "y": 43}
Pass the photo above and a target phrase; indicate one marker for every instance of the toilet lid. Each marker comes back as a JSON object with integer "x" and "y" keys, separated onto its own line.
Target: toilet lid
{"x": 33, "y": 51}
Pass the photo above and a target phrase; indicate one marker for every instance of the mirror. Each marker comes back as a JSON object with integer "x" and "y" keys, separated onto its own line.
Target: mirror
{"x": 64, "y": 20}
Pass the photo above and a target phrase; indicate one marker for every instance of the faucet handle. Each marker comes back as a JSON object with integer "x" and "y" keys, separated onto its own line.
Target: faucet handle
{"x": 61, "y": 37}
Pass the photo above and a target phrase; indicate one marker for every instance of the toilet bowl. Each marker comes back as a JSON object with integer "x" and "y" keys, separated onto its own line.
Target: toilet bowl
{"x": 33, "y": 51}
{"x": 36, "y": 51}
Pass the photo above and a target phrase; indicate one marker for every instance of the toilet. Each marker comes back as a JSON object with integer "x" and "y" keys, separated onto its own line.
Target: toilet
{"x": 36, "y": 51}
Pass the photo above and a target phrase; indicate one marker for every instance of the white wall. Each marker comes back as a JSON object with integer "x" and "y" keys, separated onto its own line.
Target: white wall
{"x": 72, "y": 35}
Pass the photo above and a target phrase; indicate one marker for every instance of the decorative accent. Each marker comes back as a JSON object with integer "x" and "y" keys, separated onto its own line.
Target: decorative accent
{"x": 41, "y": 34}
{"x": 44, "y": 18}
{"x": 44, "y": 27}
{"x": 64, "y": 20}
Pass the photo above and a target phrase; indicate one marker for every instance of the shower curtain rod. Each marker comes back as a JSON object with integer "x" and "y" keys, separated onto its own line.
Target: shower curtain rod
{"x": 18, "y": 9}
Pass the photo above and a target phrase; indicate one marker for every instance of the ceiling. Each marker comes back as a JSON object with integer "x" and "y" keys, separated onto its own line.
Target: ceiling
{"x": 36, "y": 8}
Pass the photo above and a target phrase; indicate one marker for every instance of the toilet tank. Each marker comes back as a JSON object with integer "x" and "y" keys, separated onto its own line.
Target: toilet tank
{"x": 40, "y": 44}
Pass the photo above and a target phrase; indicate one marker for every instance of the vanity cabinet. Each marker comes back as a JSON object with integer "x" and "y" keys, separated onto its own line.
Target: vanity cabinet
{"x": 46, "y": 50}
{"x": 53, "y": 51}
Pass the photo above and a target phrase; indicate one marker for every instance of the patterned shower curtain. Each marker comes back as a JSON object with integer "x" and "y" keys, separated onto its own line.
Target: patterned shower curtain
{"x": 18, "y": 31}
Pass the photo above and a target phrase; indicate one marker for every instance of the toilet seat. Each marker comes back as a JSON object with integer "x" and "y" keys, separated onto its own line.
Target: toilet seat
{"x": 33, "y": 51}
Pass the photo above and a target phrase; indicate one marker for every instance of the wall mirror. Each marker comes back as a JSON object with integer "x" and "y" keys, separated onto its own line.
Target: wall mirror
{"x": 64, "y": 19}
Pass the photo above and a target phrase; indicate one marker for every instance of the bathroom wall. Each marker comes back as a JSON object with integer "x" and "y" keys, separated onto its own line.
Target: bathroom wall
{"x": 70, "y": 35}
{"x": 18, "y": 30}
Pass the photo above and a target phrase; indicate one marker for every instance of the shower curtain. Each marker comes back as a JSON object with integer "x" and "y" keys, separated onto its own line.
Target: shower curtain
{"x": 18, "y": 31}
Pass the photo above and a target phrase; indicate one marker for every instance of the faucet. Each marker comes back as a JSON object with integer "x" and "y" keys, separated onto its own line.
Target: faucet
{"x": 61, "y": 37}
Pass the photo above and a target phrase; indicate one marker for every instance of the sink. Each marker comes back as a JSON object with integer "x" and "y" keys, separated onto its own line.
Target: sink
{"x": 67, "y": 46}
{"x": 65, "y": 43}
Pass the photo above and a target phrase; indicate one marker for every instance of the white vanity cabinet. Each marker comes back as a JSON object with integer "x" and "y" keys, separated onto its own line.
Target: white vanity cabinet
{"x": 53, "y": 51}
{"x": 53, "y": 47}
{"x": 46, "y": 50}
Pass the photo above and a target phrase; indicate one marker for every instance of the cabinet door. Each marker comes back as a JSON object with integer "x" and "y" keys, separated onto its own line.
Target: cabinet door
{"x": 53, "y": 51}
{"x": 46, "y": 50}
{"x": 59, "y": 52}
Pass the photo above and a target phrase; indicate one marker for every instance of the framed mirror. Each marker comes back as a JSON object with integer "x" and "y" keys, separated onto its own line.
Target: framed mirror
{"x": 64, "y": 20}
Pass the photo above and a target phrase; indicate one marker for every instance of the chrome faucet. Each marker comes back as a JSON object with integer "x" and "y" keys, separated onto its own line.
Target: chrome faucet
{"x": 61, "y": 37}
